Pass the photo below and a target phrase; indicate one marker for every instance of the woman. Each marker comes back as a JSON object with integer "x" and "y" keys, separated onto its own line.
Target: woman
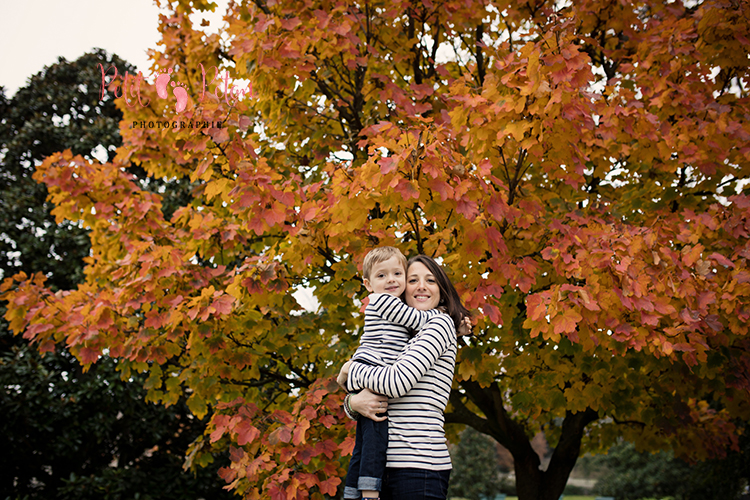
{"x": 419, "y": 382}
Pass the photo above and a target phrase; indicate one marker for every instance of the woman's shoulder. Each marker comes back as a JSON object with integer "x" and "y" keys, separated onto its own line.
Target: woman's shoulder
{"x": 444, "y": 321}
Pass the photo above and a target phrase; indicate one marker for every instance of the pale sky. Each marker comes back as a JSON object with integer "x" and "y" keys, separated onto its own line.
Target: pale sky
{"x": 34, "y": 33}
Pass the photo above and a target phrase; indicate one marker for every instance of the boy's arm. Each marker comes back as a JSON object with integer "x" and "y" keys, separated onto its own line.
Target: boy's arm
{"x": 392, "y": 309}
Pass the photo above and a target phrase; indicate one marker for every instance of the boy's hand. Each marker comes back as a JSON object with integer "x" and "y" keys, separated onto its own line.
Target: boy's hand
{"x": 344, "y": 375}
{"x": 465, "y": 327}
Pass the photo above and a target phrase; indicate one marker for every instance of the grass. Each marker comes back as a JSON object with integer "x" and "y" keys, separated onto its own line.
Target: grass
{"x": 566, "y": 497}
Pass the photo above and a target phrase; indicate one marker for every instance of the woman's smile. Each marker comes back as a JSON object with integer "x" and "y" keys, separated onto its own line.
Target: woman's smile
{"x": 422, "y": 291}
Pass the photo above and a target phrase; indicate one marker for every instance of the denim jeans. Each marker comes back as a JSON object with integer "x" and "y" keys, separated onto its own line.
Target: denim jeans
{"x": 367, "y": 465}
{"x": 415, "y": 484}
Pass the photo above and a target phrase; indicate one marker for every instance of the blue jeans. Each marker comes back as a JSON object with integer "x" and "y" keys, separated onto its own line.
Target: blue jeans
{"x": 367, "y": 465}
{"x": 415, "y": 484}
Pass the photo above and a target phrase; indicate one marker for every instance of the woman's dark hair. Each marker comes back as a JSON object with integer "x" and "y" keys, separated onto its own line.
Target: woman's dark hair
{"x": 448, "y": 295}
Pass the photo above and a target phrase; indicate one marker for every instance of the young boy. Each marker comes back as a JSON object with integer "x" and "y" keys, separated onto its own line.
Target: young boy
{"x": 388, "y": 326}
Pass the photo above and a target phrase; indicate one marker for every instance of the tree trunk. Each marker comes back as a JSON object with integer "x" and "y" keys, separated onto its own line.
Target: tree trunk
{"x": 532, "y": 483}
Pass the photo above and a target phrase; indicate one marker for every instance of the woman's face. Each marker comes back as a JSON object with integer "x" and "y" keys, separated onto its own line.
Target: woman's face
{"x": 422, "y": 291}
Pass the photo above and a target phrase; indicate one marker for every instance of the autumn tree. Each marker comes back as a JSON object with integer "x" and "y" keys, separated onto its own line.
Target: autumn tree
{"x": 579, "y": 167}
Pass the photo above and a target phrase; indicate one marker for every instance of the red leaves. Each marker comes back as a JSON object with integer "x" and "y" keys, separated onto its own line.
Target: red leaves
{"x": 281, "y": 434}
{"x": 246, "y": 433}
{"x": 329, "y": 486}
{"x": 388, "y": 164}
{"x": 723, "y": 261}
{"x": 407, "y": 189}
{"x": 509, "y": 180}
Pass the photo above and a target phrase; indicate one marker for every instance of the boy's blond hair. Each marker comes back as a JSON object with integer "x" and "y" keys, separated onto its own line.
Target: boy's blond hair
{"x": 380, "y": 254}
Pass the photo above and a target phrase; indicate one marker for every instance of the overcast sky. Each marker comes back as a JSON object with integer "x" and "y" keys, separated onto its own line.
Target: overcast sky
{"x": 34, "y": 33}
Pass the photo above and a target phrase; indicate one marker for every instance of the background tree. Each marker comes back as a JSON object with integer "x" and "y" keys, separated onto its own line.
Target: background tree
{"x": 580, "y": 169}
{"x": 631, "y": 475}
{"x": 66, "y": 433}
{"x": 476, "y": 470}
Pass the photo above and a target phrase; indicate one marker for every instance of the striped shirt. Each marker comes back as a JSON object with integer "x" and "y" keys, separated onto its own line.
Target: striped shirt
{"x": 418, "y": 383}
{"x": 386, "y": 332}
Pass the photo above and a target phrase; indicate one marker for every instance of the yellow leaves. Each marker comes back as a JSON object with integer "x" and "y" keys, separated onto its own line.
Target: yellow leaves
{"x": 518, "y": 129}
{"x": 216, "y": 187}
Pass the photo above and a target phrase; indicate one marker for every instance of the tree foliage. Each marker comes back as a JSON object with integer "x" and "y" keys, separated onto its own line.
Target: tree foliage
{"x": 579, "y": 167}
{"x": 475, "y": 473}
{"x": 66, "y": 433}
{"x": 59, "y": 108}
{"x": 630, "y": 475}
{"x": 85, "y": 436}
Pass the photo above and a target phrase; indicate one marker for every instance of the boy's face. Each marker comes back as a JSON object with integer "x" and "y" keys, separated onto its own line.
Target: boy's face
{"x": 387, "y": 277}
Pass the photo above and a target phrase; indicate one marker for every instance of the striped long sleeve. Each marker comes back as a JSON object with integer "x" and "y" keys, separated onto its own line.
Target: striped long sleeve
{"x": 420, "y": 356}
{"x": 387, "y": 324}
{"x": 419, "y": 384}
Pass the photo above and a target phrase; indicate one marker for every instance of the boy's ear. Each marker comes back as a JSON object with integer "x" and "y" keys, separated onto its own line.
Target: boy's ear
{"x": 367, "y": 284}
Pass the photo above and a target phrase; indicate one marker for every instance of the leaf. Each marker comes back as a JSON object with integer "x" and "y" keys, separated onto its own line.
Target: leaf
{"x": 566, "y": 322}
{"x": 329, "y": 486}
{"x": 281, "y": 434}
{"x": 219, "y": 135}
{"x": 299, "y": 432}
{"x": 246, "y": 433}
{"x": 723, "y": 261}
{"x": 406, "y": 189}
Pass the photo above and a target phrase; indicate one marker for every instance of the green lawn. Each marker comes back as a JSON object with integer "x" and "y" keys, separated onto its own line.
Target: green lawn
{"x": 566, "y": 497}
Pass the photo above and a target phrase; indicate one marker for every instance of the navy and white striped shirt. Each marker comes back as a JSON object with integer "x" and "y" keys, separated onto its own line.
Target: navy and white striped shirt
{"x": 386, "y": 331}
{"x": 418, "y": 385}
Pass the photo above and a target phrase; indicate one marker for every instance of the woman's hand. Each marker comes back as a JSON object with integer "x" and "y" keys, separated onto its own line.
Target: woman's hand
{"x": 344, "y": 375}
{"x": 369, "y": 404}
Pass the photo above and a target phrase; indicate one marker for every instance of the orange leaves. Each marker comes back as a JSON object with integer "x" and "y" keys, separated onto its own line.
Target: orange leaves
{"x": 566, "y": 323}
{"x": 283, "y": 450}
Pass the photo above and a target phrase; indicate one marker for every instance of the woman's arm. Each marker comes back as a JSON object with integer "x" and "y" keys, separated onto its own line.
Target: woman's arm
{"x": 397, "y": 379}
{"x": 392, "y": 309}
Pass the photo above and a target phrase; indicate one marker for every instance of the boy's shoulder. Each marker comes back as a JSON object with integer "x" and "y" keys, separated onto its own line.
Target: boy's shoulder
{"x": 377, "y": 298}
